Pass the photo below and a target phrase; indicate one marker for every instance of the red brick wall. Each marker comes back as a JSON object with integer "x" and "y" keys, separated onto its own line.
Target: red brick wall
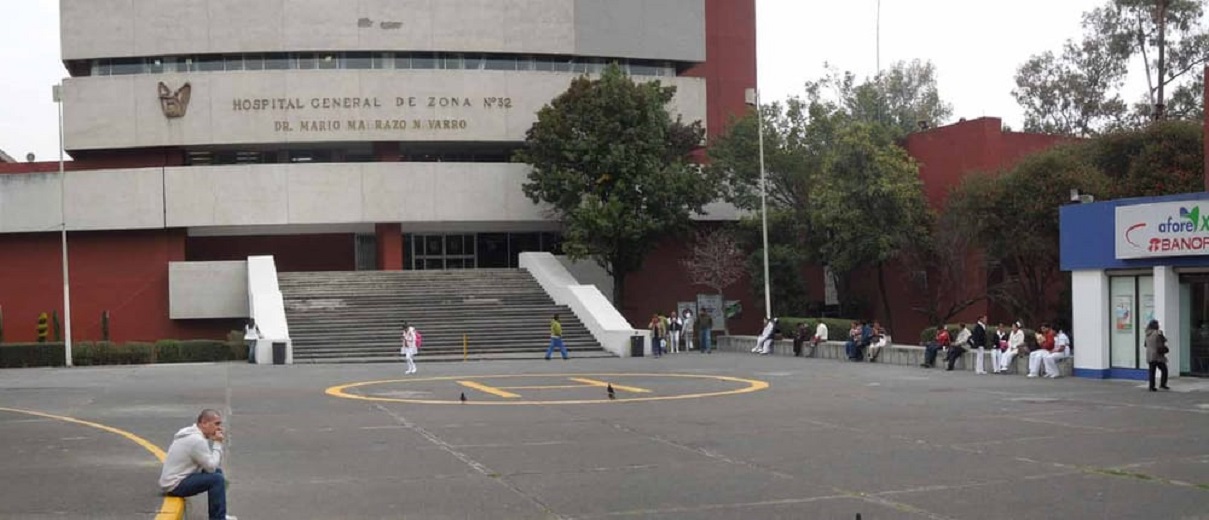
{"x": 328, "y": 252}
{"x": 730, "y": 66}
{"x": 948, "y": 153}
{"x": 123, "y": 272}
{"x": 390, "y": 246}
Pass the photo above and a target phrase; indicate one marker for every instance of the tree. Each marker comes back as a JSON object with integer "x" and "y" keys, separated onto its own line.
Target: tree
{"x": 1078, "y": 92}
{"x": 1019, "y": 231}
{"x": 715, "y": 261}
{"x": 1165, "y": 158}
{"x": 838, "y": 141}
{"x": 939, "y": 271}
{"x": 614, "y": 167}
{"x": 901, "y": 98}
{"x": 871, "y": 200}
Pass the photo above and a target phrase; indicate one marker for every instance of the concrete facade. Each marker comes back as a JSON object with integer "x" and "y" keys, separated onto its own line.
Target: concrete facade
{"x": 207, "y": 290}
{"x": 667, "y": 29}
{"x": 256, "y": 107}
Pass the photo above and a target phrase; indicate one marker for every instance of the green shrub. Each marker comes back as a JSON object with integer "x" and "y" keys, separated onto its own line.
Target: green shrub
{"x": 89, "y": 353}
{"x": 168, "y": 351}
{"x": 837, "y": 328}
{"x": 21, "y": 355}
{"x": 94, "y": 353}
{"x": 237, "y": 345}
{"x": 199, "y": 350}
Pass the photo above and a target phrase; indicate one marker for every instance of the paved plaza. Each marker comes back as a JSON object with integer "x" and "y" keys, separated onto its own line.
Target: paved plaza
{"x": 684, "y": 437}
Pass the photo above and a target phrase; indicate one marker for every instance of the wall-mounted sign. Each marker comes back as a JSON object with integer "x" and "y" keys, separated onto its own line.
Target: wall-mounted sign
{"x": 1161, "y": 230}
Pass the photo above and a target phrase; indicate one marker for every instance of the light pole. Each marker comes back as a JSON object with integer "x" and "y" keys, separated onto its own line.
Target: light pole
{"x": 753, "y": 98}
{"x": 57, "y": 92}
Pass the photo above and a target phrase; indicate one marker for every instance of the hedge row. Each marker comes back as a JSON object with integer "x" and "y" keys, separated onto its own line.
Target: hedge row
{"x": 837, "y": 328}
{"x": 89, "y": 353}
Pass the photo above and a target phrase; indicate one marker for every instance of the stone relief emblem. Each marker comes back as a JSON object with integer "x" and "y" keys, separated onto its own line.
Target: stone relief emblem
{"x": 174, "y": 104}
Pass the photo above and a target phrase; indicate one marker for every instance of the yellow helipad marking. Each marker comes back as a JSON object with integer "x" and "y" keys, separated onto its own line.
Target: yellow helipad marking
{"x": 493, "y": 391}
{"x": 173, "y": 507}
{"x": 750, "y": 385}
{"x": 602, "y": 384}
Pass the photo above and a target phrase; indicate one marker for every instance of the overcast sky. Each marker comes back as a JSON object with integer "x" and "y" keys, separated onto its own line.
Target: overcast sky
{"x": 975, "y": 44}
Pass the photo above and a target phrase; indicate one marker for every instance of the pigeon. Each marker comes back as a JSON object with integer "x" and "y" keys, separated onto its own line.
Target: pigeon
{"x": 463, "y": 398}
{"x": 610, "y": 390}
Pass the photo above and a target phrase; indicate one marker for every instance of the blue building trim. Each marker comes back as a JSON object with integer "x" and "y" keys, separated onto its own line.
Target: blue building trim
{"x": 1086, "y": 235}
{"x": 1092, "y": 373}
{"x": 1132, "y": 374}
{"x": 1135, "y": 374}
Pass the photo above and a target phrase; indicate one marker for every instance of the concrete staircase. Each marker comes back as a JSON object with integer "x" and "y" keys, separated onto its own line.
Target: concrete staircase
{"x": 356, "y": 317}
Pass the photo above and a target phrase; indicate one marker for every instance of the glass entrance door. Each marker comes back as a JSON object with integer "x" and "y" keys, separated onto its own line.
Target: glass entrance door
{"x": 1194, "y": 293}
{"x": 1131, "y": 307}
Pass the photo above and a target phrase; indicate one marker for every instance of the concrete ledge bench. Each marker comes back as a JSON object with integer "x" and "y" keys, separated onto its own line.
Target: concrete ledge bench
{"x": 910, "y": 355}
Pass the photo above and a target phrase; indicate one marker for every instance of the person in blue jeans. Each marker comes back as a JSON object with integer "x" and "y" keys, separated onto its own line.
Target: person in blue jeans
{"x": 705, "y": 323}
{"x": 556, "y": 338}
{"x": 192, "y": 464}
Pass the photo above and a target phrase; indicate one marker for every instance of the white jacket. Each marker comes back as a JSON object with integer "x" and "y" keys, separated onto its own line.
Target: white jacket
{"x": 190, "y": 452}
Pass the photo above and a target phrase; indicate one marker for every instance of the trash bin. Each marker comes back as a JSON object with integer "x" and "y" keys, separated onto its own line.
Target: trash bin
{"x": 637, "y": 346}
{"x": 278, "y": 353}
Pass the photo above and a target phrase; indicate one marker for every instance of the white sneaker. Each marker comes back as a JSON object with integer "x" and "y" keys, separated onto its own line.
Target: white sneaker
{"x": 231, "y": 517}
{"x": 1032, "y": 375}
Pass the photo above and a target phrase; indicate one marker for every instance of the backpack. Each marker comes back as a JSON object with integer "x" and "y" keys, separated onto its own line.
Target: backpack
{"x": 419, "y": 340}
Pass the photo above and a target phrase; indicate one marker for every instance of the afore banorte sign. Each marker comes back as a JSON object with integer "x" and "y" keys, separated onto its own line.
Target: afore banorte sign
{"x": 1160, "y": 230}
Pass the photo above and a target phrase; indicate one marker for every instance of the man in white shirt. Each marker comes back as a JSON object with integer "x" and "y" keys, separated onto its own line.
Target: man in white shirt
{"x": 192, "y": 464}
{"x": 820, "y": 335}
{"x": 1061, "y": 351}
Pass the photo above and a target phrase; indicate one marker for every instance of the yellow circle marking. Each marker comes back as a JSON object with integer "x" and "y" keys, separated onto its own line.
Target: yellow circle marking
{"x": 173, "y": 507}
{"x": 752, "y": 386}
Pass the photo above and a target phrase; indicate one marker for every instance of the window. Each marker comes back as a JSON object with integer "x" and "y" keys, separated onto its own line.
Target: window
{"x": 127, "y": 66}
{"x": 451, "y": 62}
{"x": 1131, "y": 307}
{"x": 305, "y": 61}
{"x": 328, "y": 60}
{"x": 155, "y": 65}
{"x": 234, "y": 62}
{"x": 253, "y": 62}
{"x": 210, "y": 63}
{"x": 422, "y": 61}
{"x": 473, "y": 61}
{"x": 383, "y": 60}
{"x": 499, "y": 63}
{"x": 358, "y": 60}
{"x": 276, "y": 61}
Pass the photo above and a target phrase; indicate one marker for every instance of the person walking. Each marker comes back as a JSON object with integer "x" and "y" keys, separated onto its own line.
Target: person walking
{"x": 656, "y": 327}
{"x": 408, "y": 350}
{"x": 1156, "y": 353}
{"x": 556, "y": 338}
{"x": 192, "y": 465}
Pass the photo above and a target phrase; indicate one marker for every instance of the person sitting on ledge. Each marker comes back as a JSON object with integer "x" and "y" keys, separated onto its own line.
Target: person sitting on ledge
{"x": 192, "y": 464}
{"x": 935, "y": 346}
